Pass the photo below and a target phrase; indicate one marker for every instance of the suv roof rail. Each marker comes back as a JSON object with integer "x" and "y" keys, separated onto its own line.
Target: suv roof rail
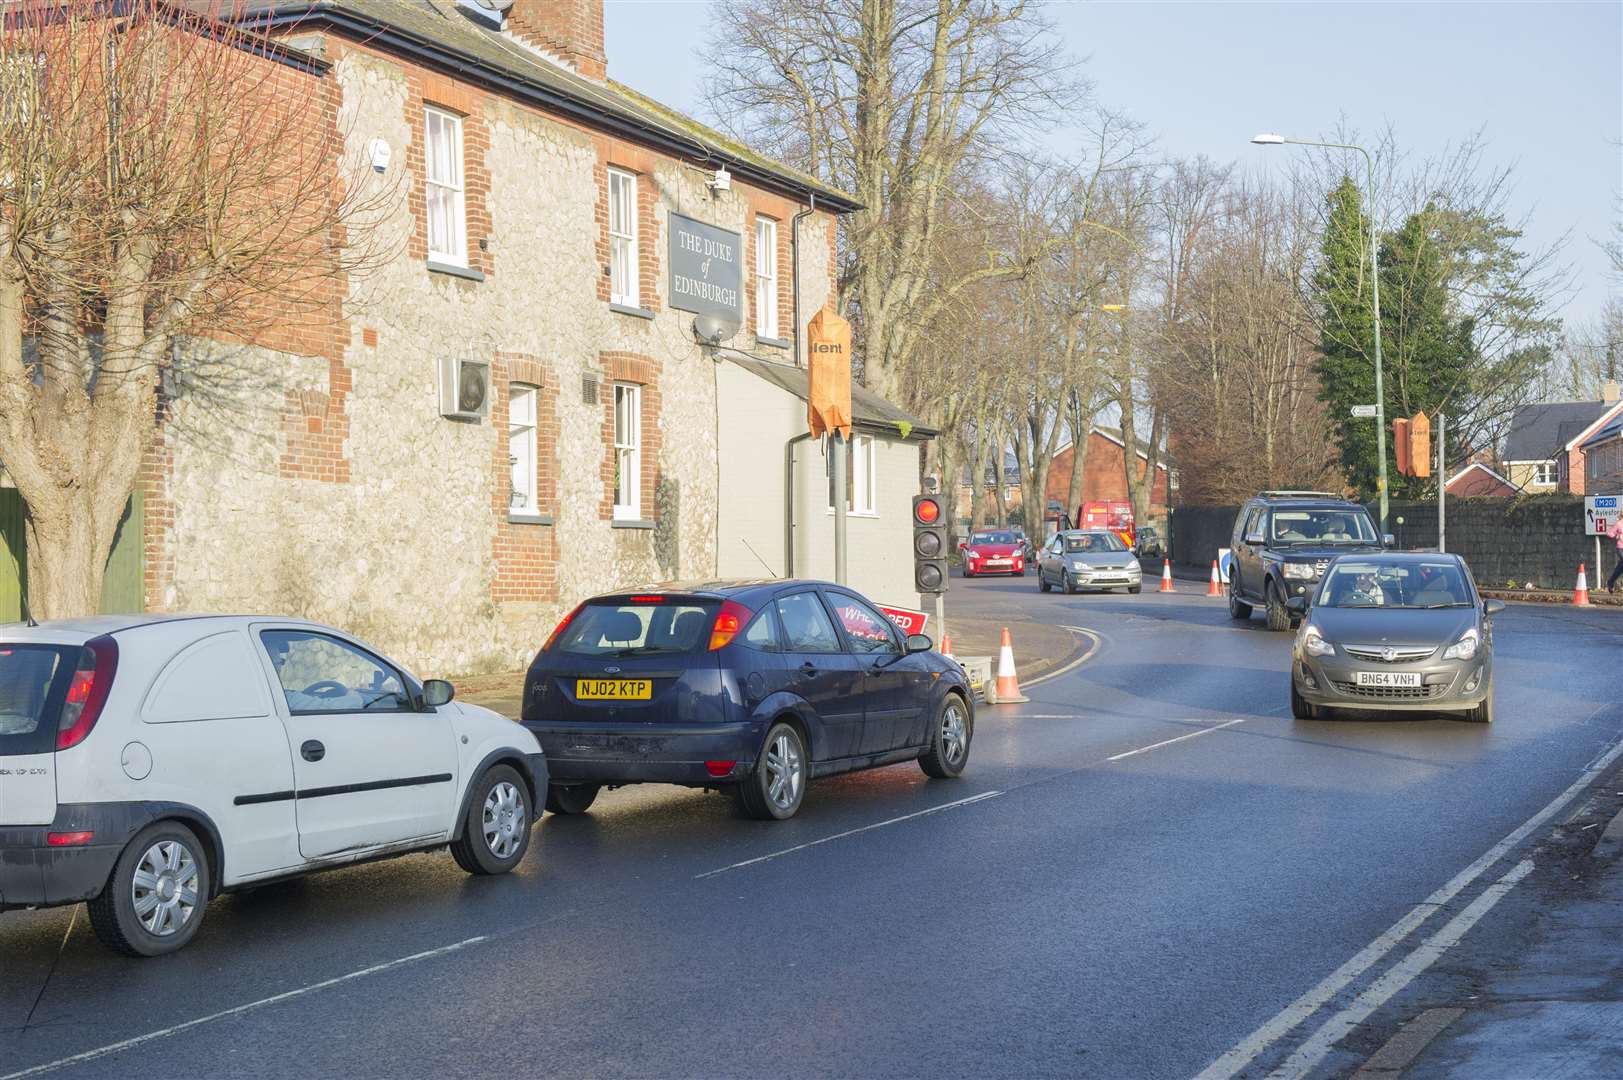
{"x": 1303, "y": 495}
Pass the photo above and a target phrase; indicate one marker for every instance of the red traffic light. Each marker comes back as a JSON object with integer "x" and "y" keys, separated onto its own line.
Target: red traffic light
{"x": 926, "y": 511}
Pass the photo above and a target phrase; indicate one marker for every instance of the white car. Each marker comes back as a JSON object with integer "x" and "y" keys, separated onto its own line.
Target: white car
{"x": 149, "y": 763}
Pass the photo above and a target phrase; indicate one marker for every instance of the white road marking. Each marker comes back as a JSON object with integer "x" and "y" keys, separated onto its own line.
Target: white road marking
{"x": 837, "y": 836}
{"x": 1308, "y": 1056}
{"x": 151, "y": 1036}
{"x": 1288, "y": 1018}
{"x": 1098, "y": 643}
{"x": 1169, "y": 742}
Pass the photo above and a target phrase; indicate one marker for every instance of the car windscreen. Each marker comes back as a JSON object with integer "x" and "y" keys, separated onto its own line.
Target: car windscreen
{"x": 639, "y": 628}
{"x": 1321, "y": 527}
{"x": 33, "y": 683}
{"x": 1400, "y": 586}
{"x": 1093, "y": 543}
{"x": 992, "y": 538}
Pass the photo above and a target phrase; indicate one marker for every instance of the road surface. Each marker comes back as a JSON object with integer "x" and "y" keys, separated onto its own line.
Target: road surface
{"x": 1139, "y": 874}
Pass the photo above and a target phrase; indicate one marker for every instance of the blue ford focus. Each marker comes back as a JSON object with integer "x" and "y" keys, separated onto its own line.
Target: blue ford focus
{"x": 753, "y": 688}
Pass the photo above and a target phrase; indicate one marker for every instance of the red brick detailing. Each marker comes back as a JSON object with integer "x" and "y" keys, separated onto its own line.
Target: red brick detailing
{"x": 158, "y": 514}
{"x": 369, "y": 338}
{"x": 631, "y": 159}
{"x": 525, "y": 554}
{"x": 315, "y": 425}
{"x": 424, "y": 89}
{"x": 620, "y": 367}
{"x": 570, "y": 29}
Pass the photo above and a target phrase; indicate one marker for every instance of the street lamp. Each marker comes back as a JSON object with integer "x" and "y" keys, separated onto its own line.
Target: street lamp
{"x": 1270, "y": 139}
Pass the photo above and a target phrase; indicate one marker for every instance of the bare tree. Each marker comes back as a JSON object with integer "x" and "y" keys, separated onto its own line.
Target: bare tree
{"x": 898, "y": 102}
{"x": 163, "y": 170}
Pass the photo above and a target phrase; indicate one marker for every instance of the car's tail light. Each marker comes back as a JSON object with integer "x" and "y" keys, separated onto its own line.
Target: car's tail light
{"x": 729, "y": 621}
{"x": 68, "y": 839}
{"x": 87, "y": 693}
{"x": 647, "y": 599}
{"x": 719, "y": 768}
{"x": 559, "y": 629}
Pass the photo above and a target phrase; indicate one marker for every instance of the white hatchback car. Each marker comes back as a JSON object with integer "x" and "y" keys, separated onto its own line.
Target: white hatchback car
{"x": 149, "y": 763}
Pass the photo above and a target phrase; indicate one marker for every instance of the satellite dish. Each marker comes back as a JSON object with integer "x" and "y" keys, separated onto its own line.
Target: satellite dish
{"x": 714, "y": 329}
{"x": 498, "y": 6}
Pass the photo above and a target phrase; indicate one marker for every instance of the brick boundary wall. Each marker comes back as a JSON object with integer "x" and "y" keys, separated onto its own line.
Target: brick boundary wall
{"x": 1536, "y": 539}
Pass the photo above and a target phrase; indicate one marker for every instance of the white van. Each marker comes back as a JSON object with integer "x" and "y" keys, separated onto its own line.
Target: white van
{"x": 149, "y": 763}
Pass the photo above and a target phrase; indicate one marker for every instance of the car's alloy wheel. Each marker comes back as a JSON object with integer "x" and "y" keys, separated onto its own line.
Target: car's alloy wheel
{"x": 775, "y": 788}
{"x": 1238, "y": 609}
{"x": 505, "y": 819}
{"x": 154, "y": 901}
{"x": 1278, "y": 617}
{"x": 1042, "y": 580}
{"x": 1066, "y": 583}
{"x": 950, "y": 737}
{"x": 495, "y": 831}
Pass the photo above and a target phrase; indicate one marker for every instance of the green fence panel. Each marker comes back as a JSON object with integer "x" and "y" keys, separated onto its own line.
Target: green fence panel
{"x": 13, "y": 560}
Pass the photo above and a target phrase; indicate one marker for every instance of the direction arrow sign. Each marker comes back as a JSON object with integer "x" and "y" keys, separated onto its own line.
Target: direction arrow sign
{"x": 1600, "y": 514}
{"x": 1363, "y": 412}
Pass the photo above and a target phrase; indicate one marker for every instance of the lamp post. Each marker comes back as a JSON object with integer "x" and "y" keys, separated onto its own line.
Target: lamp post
{"x": 1270, "y": 139}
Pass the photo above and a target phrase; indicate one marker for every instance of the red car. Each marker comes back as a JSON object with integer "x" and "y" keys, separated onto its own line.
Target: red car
{"x": 994, "y": 552}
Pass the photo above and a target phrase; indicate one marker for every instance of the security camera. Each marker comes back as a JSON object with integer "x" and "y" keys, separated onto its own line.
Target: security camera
{"x": 722, "y": 181}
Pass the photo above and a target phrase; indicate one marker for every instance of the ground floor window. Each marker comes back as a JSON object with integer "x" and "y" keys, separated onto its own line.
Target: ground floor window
{"x": 521, "y": 448}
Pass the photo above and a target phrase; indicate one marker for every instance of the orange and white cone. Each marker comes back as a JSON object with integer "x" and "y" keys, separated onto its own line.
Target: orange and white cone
{"x": 1008, "y": 686}
{"x": 1216, "y": 587}
{"x": 1166, "y": 576}
{"x": 946, "y": 645}
{"x": 1580, "y": 595}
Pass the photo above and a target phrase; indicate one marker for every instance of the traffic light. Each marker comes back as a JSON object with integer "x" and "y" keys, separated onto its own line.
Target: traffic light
{"x": 1400, "y": 443}
{"x": 929, "y": 544}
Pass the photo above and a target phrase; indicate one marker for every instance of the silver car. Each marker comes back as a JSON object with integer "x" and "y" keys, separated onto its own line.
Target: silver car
{"x": 1394, "y": 631}
{"x": 1080, "y": 559}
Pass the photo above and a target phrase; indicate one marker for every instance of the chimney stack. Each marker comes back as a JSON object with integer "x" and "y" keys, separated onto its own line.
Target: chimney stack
{"x": 1608, "y": 393}
{"x": 571, "y": 30}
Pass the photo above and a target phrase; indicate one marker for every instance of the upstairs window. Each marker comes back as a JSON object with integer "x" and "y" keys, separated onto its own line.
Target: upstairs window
{"x": 766, "y": 277}
{"x": 521, "y": 449}
{"x": 447, "y": 217}
{"x": 623, "y": 267}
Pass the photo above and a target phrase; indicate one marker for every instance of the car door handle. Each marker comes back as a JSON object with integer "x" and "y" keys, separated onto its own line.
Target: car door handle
{"x": 312, "y": 750}
{"x": 808, "y": 668}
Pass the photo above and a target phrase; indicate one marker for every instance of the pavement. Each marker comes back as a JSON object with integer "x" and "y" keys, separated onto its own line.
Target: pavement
{"x": 1149, "y": 870}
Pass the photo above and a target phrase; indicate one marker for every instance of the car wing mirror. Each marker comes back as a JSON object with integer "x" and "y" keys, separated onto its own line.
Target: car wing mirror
{"x": 1388, "y": 540}
{"x": 1296, "y": 605}
{"x": 437, "y": 692}
{"x": 919, "y": 643}
{"x": 1491, "y": 608}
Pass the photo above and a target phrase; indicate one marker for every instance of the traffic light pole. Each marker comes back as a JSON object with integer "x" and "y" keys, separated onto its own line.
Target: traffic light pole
{"x": 839, "y": 450}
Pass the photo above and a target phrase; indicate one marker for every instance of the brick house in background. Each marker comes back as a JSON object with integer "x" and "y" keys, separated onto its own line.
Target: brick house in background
{"x": 1104, "y": 474}
{"x": 343, "y": 478}
{"x": 1544, "y": 448}
{"x": 1479, "y": 480}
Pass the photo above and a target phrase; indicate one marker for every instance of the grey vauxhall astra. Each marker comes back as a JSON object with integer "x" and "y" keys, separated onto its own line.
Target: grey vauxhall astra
{"x": 1395, "y": 631}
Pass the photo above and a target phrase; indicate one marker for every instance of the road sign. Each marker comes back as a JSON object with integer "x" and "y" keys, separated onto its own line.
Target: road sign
{"x": 910, "y": 621}
{"x": 1363, "y": 412}
{"x": 1600, "y": 514}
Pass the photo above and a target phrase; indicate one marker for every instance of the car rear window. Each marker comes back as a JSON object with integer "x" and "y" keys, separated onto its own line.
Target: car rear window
{"x": 639, "y": 628}
{"x": 992, "y": 538}
{"x": 33, "y": 681}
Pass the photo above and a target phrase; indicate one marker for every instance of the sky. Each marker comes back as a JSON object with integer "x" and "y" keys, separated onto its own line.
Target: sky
{"x": 1542, "y": 82}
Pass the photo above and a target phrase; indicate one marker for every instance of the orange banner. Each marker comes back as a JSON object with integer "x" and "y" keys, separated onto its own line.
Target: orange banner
{"x": 828, "y": 399}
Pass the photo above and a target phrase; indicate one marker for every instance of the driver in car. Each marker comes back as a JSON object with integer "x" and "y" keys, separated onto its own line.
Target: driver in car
{"x": 1365, "y": 591}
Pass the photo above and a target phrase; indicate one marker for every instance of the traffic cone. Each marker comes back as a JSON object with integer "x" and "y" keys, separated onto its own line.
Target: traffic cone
{"x": 1166, "y": 576}
{"x": 1215, "y": 588}
{"x": 1008, "y": 686}
{"x": 1580, "y": 595}
{"x": 946, "y": 645}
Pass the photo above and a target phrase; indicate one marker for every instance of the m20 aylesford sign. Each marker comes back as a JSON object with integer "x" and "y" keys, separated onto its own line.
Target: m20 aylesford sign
{"x": 707, "y": 269}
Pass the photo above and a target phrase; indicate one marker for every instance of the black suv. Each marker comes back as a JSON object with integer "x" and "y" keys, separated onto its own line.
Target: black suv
{"x": 1282, "y": 542}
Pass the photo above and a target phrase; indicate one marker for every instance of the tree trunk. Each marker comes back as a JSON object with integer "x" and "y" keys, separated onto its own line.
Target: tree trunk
{"x": 977, "y": 481}
{"x": 1079, "y": 462}
{"x": 66, "y": 558}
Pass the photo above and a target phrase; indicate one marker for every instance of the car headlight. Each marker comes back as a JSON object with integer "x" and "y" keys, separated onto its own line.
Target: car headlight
{"x": 1464, "y": 648}
{"x": 1300, "y": 571}
{"x": 1133, "y": 567}
{"x": 1081, "y": 567}
{"x": 1315, "y": 645}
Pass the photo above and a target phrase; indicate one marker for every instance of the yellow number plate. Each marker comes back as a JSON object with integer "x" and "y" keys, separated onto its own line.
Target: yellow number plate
{"x": 614, "y": 689}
